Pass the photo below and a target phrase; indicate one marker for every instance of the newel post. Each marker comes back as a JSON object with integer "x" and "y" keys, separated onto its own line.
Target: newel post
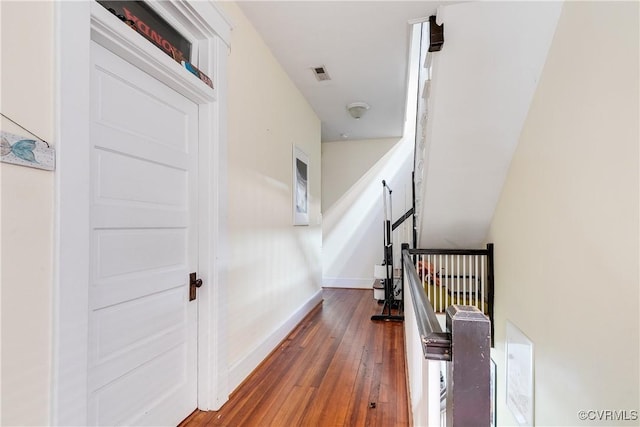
{"x": 468, "y": 373}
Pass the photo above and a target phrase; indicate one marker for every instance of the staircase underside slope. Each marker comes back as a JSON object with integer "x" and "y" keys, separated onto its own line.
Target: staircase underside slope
{"x": 483, "y": 82}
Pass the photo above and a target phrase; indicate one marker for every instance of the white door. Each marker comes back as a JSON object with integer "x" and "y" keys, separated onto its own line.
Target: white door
{"x": 142, "y": 327}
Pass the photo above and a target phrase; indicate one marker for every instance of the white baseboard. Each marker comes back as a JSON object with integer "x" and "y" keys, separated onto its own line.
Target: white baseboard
{"x": 345, "y": 282}
{"x": 240, "y": 370}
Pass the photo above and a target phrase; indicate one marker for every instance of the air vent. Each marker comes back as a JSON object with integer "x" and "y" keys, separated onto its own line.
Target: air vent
{"x": 321, "y": 73}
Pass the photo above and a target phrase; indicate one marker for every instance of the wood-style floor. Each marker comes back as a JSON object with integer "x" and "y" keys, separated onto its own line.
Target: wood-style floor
{"x": 337, "y": 368}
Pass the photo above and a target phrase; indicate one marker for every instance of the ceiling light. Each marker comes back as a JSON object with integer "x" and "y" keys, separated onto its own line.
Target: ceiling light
{"x": 357, "y": 109}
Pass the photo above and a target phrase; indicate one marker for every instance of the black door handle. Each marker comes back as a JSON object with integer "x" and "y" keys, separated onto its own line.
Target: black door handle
{"x": 193, "y": 285}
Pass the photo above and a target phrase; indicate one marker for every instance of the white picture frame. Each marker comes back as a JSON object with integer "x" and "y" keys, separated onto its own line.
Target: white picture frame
{"x": 300, "y": 187}
{"x": 519, "y": 367}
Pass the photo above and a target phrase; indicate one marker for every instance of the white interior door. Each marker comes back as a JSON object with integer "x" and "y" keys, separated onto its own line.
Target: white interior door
{"x": 142, "y": 327}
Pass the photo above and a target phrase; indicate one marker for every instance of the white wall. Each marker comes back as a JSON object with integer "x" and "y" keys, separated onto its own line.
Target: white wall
{"x": 26, "y": 209}
{"x": 275, "y": 270}
{"x": 352, "y": 234}
{"x": 483, "y": 82}
{"x": 352, "y": 174}
{"x": 566, "y": 226}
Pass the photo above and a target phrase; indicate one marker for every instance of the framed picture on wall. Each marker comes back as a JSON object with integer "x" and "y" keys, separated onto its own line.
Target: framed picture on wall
{"x": 300, "y": 187}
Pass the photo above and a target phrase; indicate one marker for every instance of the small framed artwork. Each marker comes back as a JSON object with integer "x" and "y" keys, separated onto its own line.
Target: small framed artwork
{"x": 300, "y": 187}
{"x": 519, "y": 363}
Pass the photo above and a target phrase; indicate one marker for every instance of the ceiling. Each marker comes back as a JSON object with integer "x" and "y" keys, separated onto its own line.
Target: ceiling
{"x": 364, "y": 47}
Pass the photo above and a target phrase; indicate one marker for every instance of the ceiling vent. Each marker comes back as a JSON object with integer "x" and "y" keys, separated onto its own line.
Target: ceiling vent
{"x": 321, "y": 73}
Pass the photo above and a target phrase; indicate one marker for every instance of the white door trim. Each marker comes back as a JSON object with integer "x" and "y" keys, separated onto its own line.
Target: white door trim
{"x": 76, "y": 24}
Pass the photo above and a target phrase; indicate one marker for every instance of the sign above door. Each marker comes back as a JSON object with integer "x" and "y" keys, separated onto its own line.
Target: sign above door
{"x": 142, "y": 18}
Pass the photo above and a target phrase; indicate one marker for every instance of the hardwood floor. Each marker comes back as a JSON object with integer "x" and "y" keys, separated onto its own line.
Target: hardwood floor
{"x": 337, "y": 368}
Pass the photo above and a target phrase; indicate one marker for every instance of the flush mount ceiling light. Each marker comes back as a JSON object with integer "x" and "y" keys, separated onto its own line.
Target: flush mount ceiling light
{"x": 357, "y": 109}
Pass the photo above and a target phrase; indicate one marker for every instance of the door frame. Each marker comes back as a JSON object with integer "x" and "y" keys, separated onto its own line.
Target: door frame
{"x": 77, "y": 23}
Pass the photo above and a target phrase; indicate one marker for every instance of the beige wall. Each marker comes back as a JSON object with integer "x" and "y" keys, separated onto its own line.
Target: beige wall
{"x": 26, "y": 216}
{"x": 566, "y": 226}
{"x": 346, "y": 162}
{"x": 275, "y": 267}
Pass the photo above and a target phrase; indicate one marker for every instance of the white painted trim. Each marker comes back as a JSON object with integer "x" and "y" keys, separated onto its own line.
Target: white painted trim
{"x": 71, "y": 256}
{"x": 207, "y": 17}
{"x": 213, "y": 389}
{"x": 108, "y": 31}
{"x": 347, "y": 282}
{"x": 241, "y": 369}
{"x": 76, "y": 24}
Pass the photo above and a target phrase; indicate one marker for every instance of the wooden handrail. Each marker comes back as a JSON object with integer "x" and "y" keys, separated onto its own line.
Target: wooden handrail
{"x": 488, "y": 252}
{"x": 436, "y": 344}
{"x": 449, "y": 251}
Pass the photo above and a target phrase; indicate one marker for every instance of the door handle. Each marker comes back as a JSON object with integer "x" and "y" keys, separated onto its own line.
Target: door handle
{"x": 193, "y": 285}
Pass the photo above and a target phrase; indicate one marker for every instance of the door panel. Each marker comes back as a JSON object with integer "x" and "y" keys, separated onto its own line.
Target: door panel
{"x": 130, "y": 179}
{"x": 143, "y": 329}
